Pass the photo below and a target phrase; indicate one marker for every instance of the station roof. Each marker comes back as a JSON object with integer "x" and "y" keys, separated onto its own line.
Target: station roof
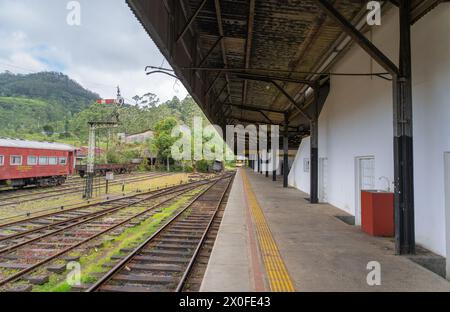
{"x": 228, "y": 52}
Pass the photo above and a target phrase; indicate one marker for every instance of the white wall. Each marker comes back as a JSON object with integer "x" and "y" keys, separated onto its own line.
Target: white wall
{"x": 431, "y": 99}
{"x": 297, "y": 177}
{"x": 357, "y": 120}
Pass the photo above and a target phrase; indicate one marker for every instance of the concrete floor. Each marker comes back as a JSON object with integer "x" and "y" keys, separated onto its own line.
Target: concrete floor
{"x": 321, "y": 252}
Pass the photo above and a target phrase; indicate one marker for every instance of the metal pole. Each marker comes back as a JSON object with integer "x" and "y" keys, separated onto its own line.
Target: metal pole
{"x": 314, "y": 145}
{"x": 403, "y": 140}
{"x": 90, "y": 163}
{"x": 285, "y": 150}
{"x": 274, "y": 163}
{"x": 267, "y": 164}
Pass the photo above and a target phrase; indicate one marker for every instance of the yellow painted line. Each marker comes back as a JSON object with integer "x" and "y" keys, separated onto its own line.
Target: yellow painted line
{"x": 277, "y": 274}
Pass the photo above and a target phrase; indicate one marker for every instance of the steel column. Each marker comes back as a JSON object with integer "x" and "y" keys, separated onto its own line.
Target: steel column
{"x": 260, "y": 165}
{"x": 314, "y": 151}
{"x": 274, "y": 164}
{"x": 403, "y": 140}
{"x": 285, "y": 150}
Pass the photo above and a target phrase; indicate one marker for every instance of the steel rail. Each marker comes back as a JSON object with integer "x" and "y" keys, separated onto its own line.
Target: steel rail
{"x": 186, "y": 273}
{"x": 62, "y": 211}
{"x": 71, "y": 190}
{"x": 19, "y": 274}
{"x": 95, "y": 214}
{"x": 105, "y": 278}
{"x": 34, "y": 190}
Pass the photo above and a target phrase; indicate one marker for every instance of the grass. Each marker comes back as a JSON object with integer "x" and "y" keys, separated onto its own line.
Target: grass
{"x": 93, "y": 261}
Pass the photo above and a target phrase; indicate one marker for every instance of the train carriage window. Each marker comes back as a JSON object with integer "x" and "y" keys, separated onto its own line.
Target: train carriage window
{"x": 16, "y": 160}
{"x": 52, "y": 160}
{"x": 2, "y": 159}
{"x": 32, "y": 160}
{"x": 43, "y": 160}
{"x": 62, "y": 160}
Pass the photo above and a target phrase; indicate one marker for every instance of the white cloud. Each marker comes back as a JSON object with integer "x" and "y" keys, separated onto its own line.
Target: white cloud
{"x": 110, "y": 47}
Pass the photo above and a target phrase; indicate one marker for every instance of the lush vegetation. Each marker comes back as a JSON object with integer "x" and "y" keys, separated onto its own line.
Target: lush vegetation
{"x": 28, "y": 103}
{"x": 52, "y": 107}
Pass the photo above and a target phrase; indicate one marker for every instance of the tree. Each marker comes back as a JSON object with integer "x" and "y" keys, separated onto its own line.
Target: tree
{"x": 149, "y": 100}
{"x": 174, "y": 104}
{"x": 136, "y": 98}
{"x": 163, "y": 140}
{"x": 48, "y": 130}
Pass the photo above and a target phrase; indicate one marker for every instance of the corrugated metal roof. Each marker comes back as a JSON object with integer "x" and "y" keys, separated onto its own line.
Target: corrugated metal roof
{"x": 284, "y": 38}
{"x": 35, "y": 145}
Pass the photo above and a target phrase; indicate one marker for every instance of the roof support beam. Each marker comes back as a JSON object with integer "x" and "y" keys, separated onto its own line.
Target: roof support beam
{"x": 256, "y": 109}
{"x": 221, "y": 91}
{"x": 211, "y": 50}
{"x": 248, "y": 45}
{"x": 358, "y": 37}
{"x": 266, "y": 117}
{"x": 222, "y": 42}
{"x": 218, "y": 106}
{"x": 269, "y": 78}
{"x": 191, "y": 20}
{"x": 213, "y": 83}
{"x": 259, "y": 122}
{"x": 291, "y": 99}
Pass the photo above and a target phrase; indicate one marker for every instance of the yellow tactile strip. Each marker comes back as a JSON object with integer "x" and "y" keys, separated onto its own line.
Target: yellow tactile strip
{"x": 277, "y": 274}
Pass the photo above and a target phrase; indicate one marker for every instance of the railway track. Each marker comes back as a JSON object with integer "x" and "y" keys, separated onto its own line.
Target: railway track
{"x": 34, "y": 194}
{"x": 72, "y": 182}
{"x": 163, "y": 262}
{"x": 31, "y": 248}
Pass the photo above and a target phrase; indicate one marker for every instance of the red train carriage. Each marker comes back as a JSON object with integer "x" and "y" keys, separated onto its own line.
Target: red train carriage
{"x": 25, "y": 163}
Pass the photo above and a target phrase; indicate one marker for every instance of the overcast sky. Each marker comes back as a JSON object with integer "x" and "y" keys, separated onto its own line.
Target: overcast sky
{"x": 109, "y": 48}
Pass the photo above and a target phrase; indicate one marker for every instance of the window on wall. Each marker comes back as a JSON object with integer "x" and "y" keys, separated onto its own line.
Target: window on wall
{"x": 2, "y": 160}
{"x": 62, "y": 160}
{"x": 16, "y": 160}
{"x": 43, "y": 160}
{"x": 32, "y": 160}
{"x": 52, "y": 160}
{"x": 306, "y": 165}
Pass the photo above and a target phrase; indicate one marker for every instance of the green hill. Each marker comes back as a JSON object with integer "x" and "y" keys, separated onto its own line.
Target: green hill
{"x": 51, "y": 106}
{"x": 54, "y": 88}
{"x": 28, "y": 102}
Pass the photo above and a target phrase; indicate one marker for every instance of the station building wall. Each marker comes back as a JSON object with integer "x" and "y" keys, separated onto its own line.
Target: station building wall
{"x": 357, "y": 121}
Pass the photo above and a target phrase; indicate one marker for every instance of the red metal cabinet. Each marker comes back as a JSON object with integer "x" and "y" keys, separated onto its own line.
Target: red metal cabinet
{"x": 377, "y": 213}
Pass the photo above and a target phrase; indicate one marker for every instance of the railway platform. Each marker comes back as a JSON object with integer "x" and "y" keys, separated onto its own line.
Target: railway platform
{"x": 273, "y": 239}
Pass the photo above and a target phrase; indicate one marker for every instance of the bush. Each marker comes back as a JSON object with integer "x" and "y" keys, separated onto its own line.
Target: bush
{"x": 144, "y": 165}
{"x": 202, "y": 165}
